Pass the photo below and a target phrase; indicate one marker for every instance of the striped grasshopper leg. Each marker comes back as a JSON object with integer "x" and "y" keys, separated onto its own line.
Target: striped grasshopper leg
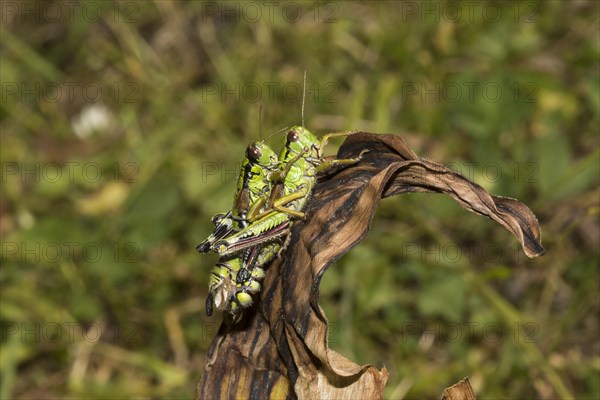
{"x": 267, "y": 229}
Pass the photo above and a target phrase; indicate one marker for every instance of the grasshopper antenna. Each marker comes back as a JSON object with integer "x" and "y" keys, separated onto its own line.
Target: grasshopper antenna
{"x": 303, "y": 96}
{"x": 275, "y": 133}
{"x": 260, "y": 122}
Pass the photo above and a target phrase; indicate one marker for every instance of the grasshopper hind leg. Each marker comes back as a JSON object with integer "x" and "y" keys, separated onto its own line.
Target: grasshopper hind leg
{"x": 223, "y": 227}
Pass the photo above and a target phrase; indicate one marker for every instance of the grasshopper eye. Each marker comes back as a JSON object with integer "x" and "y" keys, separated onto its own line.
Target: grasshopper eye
{"x": 293, "y": 136}
{"x": 253, "y": 152}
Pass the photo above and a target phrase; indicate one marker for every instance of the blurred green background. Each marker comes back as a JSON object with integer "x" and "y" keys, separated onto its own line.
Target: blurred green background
{"x": 123, "y": 126}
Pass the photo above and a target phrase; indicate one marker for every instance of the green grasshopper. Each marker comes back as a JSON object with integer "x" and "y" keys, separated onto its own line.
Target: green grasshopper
{"x": 253, "y": 191}
{"x": 302, "y": 160}
{"x": 236, "y": 278}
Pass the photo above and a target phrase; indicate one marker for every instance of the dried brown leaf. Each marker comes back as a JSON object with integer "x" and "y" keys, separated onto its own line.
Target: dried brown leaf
{"x": 281, "y": 351}
{"x": 461, "y": 390}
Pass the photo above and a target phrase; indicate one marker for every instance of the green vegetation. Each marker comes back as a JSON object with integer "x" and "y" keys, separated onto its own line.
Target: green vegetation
{"x": 123, "y": 125}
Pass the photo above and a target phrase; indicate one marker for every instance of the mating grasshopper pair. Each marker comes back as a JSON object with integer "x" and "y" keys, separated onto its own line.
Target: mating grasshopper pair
{"x": 271, "y": 193}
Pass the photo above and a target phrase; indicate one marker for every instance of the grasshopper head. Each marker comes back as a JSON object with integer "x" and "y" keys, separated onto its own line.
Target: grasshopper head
{"x": 261, "y": 154}
{"x": 299, "y": 139}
